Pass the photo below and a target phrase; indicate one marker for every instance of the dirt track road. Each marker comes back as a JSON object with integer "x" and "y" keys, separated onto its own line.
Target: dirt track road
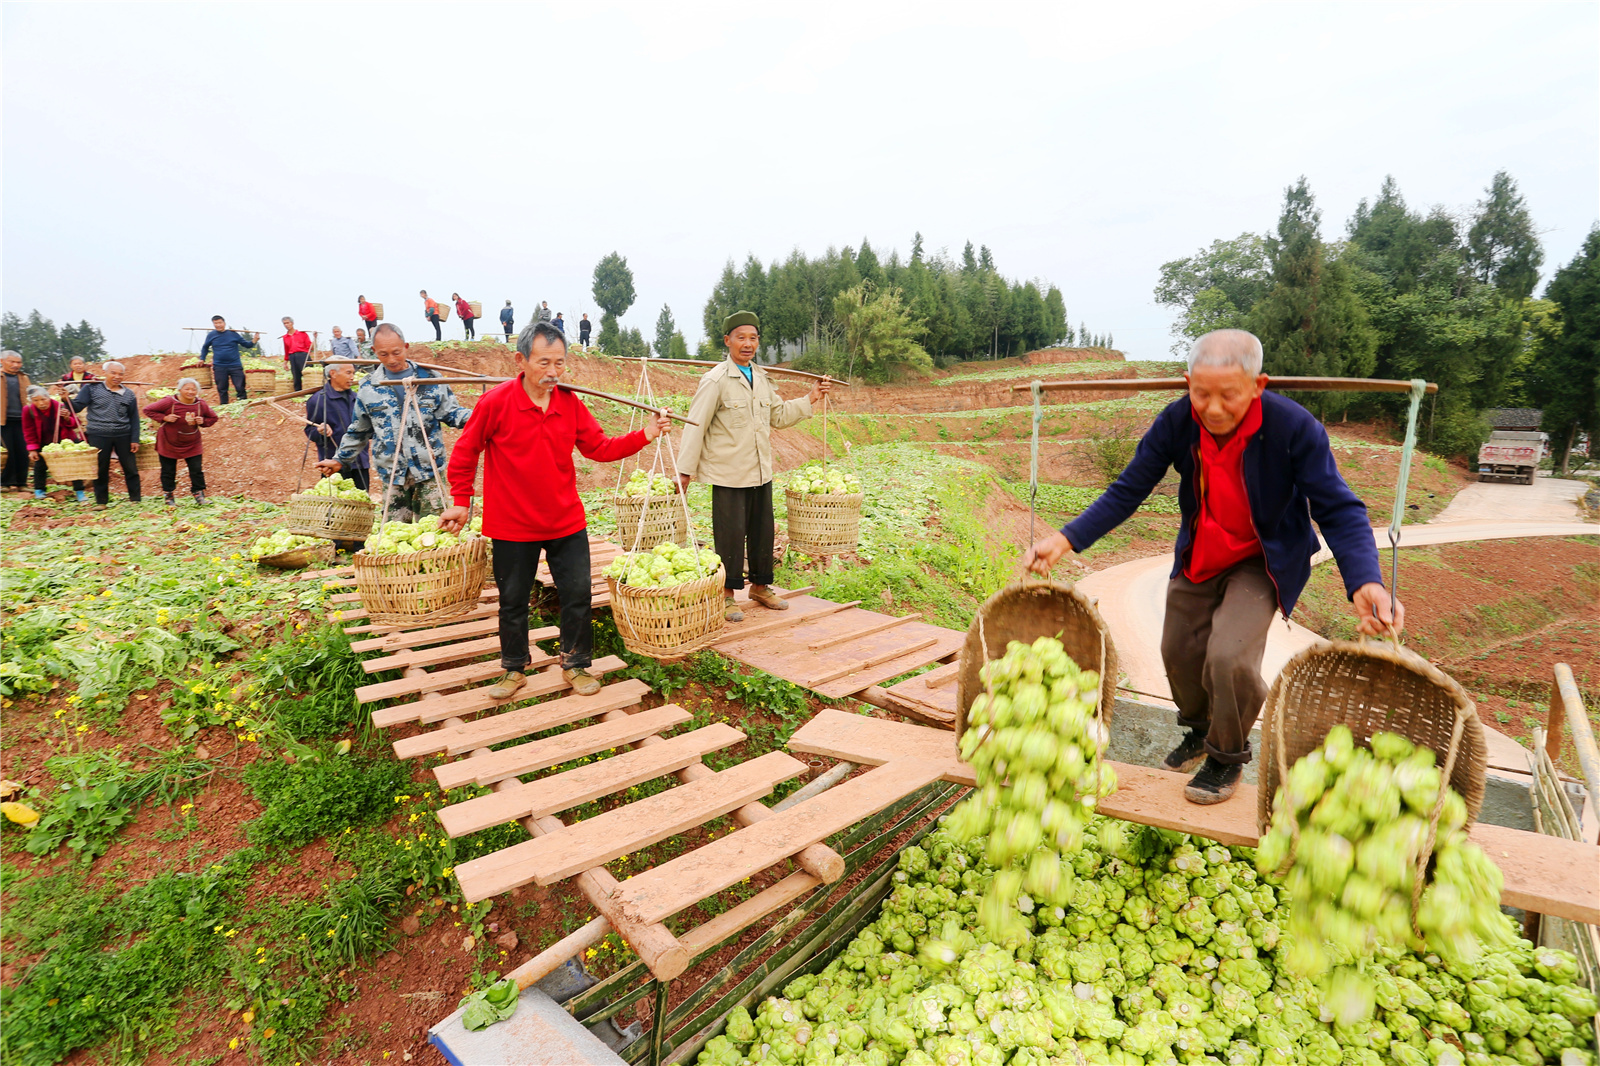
{"x": 1132, "y": 597}
{"x": 1550, "y": 499}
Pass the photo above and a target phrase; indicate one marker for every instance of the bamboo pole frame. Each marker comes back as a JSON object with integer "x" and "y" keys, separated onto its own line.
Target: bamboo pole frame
{"x": 719, "y": 362}
{"x": 1164, "y": 384}
{"x": 397, "y": 382}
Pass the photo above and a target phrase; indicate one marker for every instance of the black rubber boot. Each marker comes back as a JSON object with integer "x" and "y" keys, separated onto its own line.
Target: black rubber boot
{"x": 1188, "y": 754}
{"x": 1215, "y": 782}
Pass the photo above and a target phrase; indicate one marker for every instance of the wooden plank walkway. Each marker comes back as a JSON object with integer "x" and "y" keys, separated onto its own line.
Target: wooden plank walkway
{"x": 1543, "y": 874}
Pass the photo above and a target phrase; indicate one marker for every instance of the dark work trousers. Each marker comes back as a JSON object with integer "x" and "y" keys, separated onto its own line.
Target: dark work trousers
{"x": 467, "y": 324}
{"x": 118, "y": 446}
{"x": 15, "y": 473}
{"x": 297, "y": 366}
{"x": 583, "y": 337}
{"x": 515, "y": 564}
{"x": 438, "y": 335}
{"x": 169, "y": 474}
{"x": 1211, "y": 643}
{"x": 41, "y": 477}
{"x": 740, "y": 517}
{"x": 508, "y": 332}
{"x": 225, "y": 375}
{"x": 372, "y": 326}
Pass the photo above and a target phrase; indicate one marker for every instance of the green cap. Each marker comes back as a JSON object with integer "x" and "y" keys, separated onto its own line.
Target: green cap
{"x": 740, "y": 318}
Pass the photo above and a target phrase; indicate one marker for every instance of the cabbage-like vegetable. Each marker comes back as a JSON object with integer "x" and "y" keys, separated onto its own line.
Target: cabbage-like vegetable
{"x": 817, "y": 478}
{"x": 666, "y": 565}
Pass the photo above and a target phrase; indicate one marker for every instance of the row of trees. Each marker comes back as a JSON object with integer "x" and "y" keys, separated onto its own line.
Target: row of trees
{"x": 1408, "y": 294}
{"x": 46, "y": 351}
{"x": 955, "y": 309}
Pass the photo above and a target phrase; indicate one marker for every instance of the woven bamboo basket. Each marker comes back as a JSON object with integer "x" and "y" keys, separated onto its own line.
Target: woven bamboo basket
{"x": 1371, "y": 687}
{"x": 477, "y": 308}
{"x": 1027, "y": 611}
{"x": 311, "y": 377}
{"x": 67, "y": 467}
{"x": 824, "y": 524}
{"x": 146, "y": 460}
{"x": 201, "y": 372}
{"x": 331, "y": 517}
{"x": 298, "y": 559}
{"x": 377, "y": 309}
{"x": 663, "y": 520}
{"x": 669, "y": 623}
{"x": 257, "y": 383}
{"x": 423, "y": 586}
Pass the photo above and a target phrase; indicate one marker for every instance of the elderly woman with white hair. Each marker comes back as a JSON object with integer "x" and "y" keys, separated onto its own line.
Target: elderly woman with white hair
{"x": 179, "y": 418}
{"x": 1254, "y": 470}
{"x": 111, "y": 424}
{"x": 47, "y": 421}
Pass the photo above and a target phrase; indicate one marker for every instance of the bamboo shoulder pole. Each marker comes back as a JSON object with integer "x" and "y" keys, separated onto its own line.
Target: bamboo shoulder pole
{"x": 398, "y": 382}
{"x": 718, "y": 362}
{"x": 1164, "y": 384}
{"x": 430, "y": 366}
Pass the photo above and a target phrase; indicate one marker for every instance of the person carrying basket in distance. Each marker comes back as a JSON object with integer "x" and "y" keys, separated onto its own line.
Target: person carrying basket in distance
{"x": 526, "y": 430}
{"x": 405, "y": 459}
{"x": 47, "y": 421}
{"x": 736, "y": 409}
{"x": 367, "y": 313}
{"x": 1254, "y": 470}
{"x": 223, "y": 345}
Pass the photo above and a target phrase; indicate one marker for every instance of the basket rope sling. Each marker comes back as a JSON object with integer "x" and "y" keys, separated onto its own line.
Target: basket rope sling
{"x": 67, "y": 467}
{"x": 1371, "y": 687}
{"x": 645, "y": 521}
{"x": 402, "y": 588}
{"x": 823, "y": 525}
{"x": 1032, "y": 607}
{"x": 670, "y": 623}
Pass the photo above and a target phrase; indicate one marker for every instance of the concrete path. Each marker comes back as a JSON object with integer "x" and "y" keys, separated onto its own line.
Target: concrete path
{"x": 1547, "y": 499}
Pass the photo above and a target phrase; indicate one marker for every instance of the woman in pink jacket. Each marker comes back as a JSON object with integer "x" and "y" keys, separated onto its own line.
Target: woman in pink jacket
{"x": 48, "y": 421}
{"x": 179, "y": 418}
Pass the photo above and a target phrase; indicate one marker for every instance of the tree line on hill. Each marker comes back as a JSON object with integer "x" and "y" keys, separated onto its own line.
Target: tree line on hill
{"x": 1410, "y": 294}
{"x": 47, "y": 351}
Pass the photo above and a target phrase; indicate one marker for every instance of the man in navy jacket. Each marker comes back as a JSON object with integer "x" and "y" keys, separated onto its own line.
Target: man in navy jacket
{"x": 1254, "y": 470}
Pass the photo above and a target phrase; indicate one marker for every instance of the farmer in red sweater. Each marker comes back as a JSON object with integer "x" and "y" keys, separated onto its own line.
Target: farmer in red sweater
{"x": 527, "y": 429}
{"x": 296, "y": 349}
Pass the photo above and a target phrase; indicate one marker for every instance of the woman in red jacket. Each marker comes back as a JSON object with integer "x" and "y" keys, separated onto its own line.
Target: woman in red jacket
{"x": 464, "y": 309}
{"x": 47, "y": 421}
{"x": 367, "y": 313}
{"x": 179, "y": 418}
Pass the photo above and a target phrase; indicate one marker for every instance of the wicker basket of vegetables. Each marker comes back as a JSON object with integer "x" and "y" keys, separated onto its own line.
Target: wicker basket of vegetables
{"x": 824, "y": 509}
{"x": 667, "y": 602}
{"x": 648, "y": 513}
{"x": 201, "y": 372}
{"x": 70, "y": 461}
{"x": 334, "y": 508}
{"x": 283, "y": 550}
{"x": 413, "y": 572}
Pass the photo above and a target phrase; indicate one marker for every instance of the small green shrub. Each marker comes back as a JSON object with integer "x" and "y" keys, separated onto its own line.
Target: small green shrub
{"x": 307, "y": 799}
{"x": 316, "y": 677}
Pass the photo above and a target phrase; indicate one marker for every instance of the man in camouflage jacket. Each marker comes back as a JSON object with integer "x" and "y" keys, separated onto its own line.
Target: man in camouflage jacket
{"x": 414, "y": 462}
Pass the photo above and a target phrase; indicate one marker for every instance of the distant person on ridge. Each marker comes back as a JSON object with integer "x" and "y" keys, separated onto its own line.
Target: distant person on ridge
{"x": 1254, "y": 470}
{"x": 430, "y": 308}
{"x": 223, "y": 345}
{"x": 583, "y": 331}
{"x": 296, "y": 350}
{"x": 408, "y": 460}
{"x": 464, "y": 309}
{"x": 508, "y": 320}
{"x": 526, "y": 429}
{"x": 735, "y": 409}
{"x": 544, "y": 311}
{"x": 363, "y": 345}
{"x": 342, "y": 347}
{"x": 367, "y": 313}
{"x": 78, "y": 370}
{"x": 559, "y": 324}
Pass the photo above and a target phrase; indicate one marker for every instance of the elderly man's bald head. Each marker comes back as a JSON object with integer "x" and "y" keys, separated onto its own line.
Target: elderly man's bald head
{"x": 1227, "y": 347}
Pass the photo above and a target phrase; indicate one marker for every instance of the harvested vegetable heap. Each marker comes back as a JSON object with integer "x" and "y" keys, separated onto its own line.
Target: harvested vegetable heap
{"x": 817, "y": 478}
{"x": 281, "y": 541}
{"x": 1362, "y": 821}
{"x": 1168, "y": 950}
{"x": 340, "y": 487}
{"x": 1034, "y": 745}
{"x": 643, "y": 483}
{"x": 423, "y": 535}
{"x": 66, "y": 447}
{"x": 664, "y": 566}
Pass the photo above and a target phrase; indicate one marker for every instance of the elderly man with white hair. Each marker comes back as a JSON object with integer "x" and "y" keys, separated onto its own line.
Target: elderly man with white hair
{"x": 111, "y": 424}
{"x": 1254, "y": 470}
{"x": 13, "y": 400}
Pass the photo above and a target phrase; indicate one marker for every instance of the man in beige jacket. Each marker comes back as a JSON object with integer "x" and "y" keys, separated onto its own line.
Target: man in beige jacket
{"x": 735, "y": 409}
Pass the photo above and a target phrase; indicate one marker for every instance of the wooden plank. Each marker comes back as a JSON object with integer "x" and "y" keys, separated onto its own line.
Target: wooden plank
{"x": 1544, "y": 874}
{"x": 509, "y": 725}
{"x": 552, "y": 795}
{"x": 338, "y": 571}
{"x": 417, "y": 638}
{"x": 439, "y": 680}
{"x": 741, "y": 630}
{"x": 945, "y": 675}
{"x": 863, "y": 664}
{"x": 470, "y": 701}
{"x": 794, "y": 662}
{"x": 896, "y": 700}
{"x": 688, "y": 879}
{"x": 704, "y": 937}
{"x": 483, "y": 610}
{"x": 563, "y": 747}
{"x": 466, "y": 649}
{"x": 618, "y": 832}
{"x": 863, "y": 632}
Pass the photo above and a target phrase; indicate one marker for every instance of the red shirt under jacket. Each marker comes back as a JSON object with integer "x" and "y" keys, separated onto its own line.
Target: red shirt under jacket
{"x": 1224, "y": 534}
{"x": 530, "y": 490}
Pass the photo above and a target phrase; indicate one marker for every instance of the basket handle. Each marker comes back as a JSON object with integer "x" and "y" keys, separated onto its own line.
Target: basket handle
{"x": 1426, "y": 855}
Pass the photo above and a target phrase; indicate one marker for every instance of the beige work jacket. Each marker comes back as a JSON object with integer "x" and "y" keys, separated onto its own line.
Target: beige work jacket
{"x": 732, "y": 445}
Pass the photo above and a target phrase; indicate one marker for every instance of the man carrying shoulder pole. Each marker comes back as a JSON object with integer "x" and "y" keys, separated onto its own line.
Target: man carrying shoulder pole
{"x": 1254, "y": 470}
{"x": 526, "y": 429}
{"x": 729, "y": 443}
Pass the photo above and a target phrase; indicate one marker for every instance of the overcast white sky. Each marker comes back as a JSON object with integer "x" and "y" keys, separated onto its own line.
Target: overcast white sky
{"x": 165, "y": 161}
